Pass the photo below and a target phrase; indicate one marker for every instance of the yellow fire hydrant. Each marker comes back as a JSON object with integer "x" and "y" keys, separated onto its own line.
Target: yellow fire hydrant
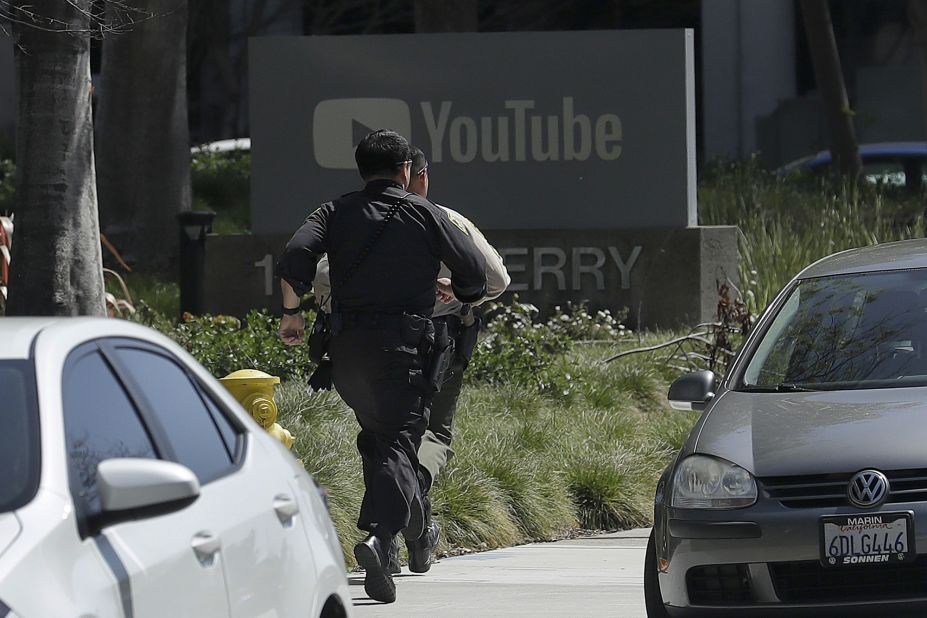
{"x": 254, "y": 390}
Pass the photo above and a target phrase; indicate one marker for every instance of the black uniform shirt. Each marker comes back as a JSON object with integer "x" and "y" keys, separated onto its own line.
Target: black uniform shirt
{"x": 400, "y": 271}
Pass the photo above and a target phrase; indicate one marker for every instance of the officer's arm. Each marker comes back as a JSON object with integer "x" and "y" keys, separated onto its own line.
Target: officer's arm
{"x": 497, "y": 277}
{"x": 297, "y": 265}
{"x": 463, "y": 258}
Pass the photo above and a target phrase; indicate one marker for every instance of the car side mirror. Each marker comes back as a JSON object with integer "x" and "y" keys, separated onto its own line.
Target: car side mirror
{"x": 692, "y": 391}
{"x": 126, "y": 484}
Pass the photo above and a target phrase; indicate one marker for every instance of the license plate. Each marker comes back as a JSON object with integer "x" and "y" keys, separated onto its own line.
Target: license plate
{"x": 876, "y": 538}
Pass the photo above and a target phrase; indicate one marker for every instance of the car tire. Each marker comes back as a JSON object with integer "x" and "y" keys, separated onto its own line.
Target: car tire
{"x": 653, "y": 599}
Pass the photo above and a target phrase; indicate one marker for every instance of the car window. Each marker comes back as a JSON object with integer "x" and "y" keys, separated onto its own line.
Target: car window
{"x": 19, "y": 440}
{"x": 850, "y": 331}
{"x": 226, "y": 429}
{"x": 171, "y": 397}
{"x": 100, "y": 423}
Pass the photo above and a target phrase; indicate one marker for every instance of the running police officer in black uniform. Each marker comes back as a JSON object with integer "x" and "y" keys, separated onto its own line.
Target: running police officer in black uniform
{"x": 385, "y": 247}
{"x": 463, "y": 326}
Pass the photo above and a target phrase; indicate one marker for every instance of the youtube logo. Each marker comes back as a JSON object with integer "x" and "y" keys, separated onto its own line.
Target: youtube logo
{"x": 339, "y": 124}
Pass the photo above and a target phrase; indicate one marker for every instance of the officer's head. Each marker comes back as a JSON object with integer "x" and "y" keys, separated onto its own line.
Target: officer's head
{"x": 384, "y": 154}
{"x": 418, "y": 182}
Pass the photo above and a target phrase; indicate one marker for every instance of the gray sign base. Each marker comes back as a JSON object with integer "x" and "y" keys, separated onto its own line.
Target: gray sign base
{"x": 666, "y": 278}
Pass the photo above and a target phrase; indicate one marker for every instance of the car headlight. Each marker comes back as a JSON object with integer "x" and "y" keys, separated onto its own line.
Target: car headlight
{"x": 703, "y": 482}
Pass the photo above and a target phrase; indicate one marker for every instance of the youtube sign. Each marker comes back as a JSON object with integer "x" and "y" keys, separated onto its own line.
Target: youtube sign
{"x": 339, "y": 124}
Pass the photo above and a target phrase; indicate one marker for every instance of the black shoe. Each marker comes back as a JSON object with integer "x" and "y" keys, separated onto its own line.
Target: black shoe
{"x": 374, "y": 557}
{"x": 422, "y": 551}
{"x": 394, "y": 565}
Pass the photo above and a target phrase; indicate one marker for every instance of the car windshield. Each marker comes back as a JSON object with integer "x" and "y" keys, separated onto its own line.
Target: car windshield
{"x": 19, "y": 440}
{"x": 846, "y": 332}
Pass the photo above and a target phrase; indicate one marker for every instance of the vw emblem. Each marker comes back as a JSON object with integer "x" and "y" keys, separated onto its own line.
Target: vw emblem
{"x": 867, "y": 489}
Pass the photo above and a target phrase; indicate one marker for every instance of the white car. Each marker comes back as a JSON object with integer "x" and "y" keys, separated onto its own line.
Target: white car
{"x": 135, "y": 485}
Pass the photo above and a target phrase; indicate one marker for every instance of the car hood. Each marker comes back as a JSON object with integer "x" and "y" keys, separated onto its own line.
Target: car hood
{"x": 9, "y": 530}
{"x": 781, "y": 434}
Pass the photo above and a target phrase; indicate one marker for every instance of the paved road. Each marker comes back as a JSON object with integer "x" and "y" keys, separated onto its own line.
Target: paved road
{"x": 595, "y": 576}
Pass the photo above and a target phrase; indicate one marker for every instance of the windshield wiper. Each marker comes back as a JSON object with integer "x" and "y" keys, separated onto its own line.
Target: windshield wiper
{"x": 791, "y": 387}
{"x": 783, "y": 387}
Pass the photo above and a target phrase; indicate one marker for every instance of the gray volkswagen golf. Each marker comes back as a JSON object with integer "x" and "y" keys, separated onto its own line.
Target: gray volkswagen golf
{"x": 802, "y": 488}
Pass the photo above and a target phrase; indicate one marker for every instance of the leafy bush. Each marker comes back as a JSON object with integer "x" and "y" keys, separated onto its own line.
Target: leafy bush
{"x": 577, "y": 323}
{"x": 7, "y": 186}
{"x": 224, "y": 344}
{"x": 517, "y": 350}
{"x": 222, "y": 183}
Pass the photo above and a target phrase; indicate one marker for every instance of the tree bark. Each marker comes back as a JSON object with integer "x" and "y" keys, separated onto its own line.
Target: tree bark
{"x": 143, "y": 139}
{"x": 917, "y": 13}
{"x": 56, "y": 262}
{"x": 446, "y": 15}
{"x": 829, "y": 76}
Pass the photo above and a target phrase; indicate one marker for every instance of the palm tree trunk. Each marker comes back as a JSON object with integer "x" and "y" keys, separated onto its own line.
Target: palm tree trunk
{"x": 829, "y": 76}
{"x": 917, "y": 13}
{"x": 143, "y": 139}
{"x": 56, "y": 263}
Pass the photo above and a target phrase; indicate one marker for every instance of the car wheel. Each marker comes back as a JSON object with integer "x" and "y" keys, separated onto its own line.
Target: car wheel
{"x": 653, "y": 600}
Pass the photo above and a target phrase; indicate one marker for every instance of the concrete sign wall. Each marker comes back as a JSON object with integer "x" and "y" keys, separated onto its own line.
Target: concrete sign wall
{"x": 666, "y": 278}
{"x": 567, "y": 130}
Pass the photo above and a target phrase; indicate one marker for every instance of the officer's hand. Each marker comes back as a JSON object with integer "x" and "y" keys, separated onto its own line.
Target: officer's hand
{"x": 292, "y": 329}
{"x": 444, "y": 292}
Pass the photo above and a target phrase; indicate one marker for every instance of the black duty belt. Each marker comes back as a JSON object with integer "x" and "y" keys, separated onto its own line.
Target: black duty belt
{"x": 365, "y": 321}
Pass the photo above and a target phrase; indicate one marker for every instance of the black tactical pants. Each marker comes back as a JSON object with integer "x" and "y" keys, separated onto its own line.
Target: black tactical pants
{"x": 372, "y": 376}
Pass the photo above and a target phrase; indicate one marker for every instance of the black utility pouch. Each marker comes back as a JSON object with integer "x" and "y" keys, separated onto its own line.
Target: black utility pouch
{"x": 440, "y": 358}
{"x": 319, "y": 337}
{"x": 414, "y": 331}
{"x": 467, "y": 337}
{"x": 321, "y": 378}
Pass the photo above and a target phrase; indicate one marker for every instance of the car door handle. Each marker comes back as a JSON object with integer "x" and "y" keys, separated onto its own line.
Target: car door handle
{"x": 206, "y": 545}
{"x": 286, "y": 508}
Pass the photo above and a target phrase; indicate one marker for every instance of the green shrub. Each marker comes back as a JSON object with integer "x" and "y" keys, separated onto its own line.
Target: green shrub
{"x": 325, "y": 432}
{"x": 536, "y": 501}
{"x": 515, "y": 349}
{"x": 7, "y": 187}
{"x": 224, "y": 344}
{"x": 222, "y": 183}
{"x": 473, "y": 509}
{"x": 151, "y": 291}
{"x": 576, "y": 322}
{"x": 788, "y": 223}
{"x": 609, "y": 488}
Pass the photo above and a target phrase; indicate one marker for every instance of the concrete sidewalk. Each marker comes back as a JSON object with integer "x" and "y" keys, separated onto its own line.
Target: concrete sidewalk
{"x": 593, "y": 576}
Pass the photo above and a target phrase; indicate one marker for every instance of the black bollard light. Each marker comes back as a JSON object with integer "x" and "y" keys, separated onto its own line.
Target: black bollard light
{"x": 194, "y": 225}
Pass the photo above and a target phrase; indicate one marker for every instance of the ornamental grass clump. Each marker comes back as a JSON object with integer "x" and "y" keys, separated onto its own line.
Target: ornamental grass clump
{"x": 609, "y": 488}
{"x": 787, "y": 223}
{"x": 473, "y": 510}
{"x": 326, "y": 433}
